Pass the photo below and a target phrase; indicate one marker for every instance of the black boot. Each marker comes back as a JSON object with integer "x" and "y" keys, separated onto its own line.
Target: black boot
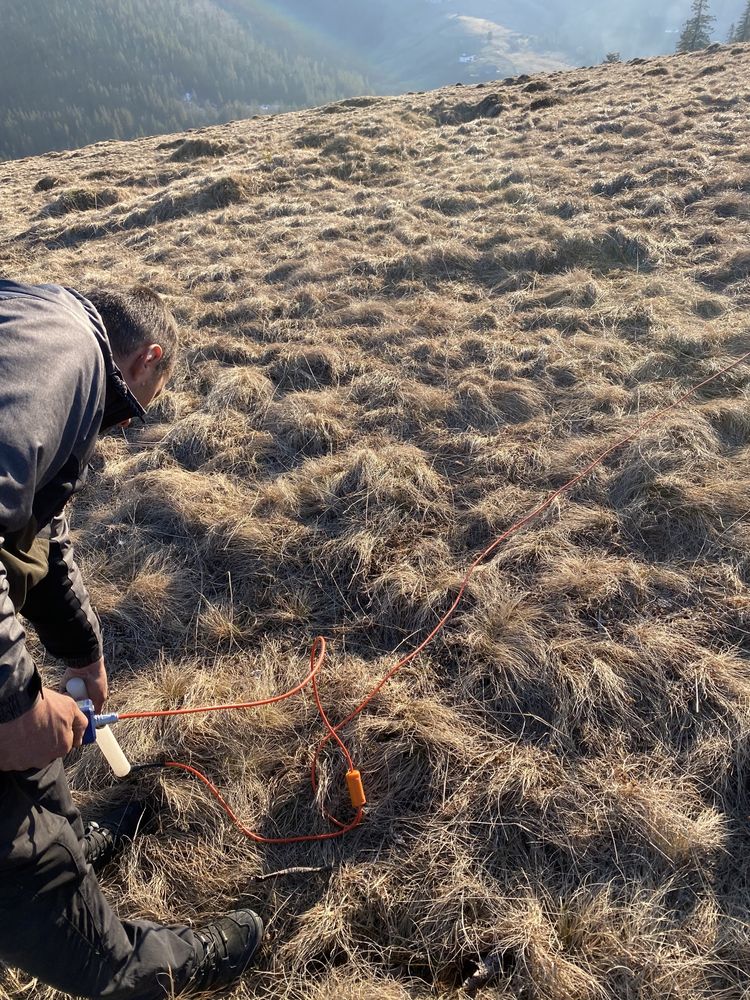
{"x": 107, "y": 837}
{"x": 229, "y": 945}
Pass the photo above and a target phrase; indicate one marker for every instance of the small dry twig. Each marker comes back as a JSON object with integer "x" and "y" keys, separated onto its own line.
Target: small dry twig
{"x": 297, "y": 870}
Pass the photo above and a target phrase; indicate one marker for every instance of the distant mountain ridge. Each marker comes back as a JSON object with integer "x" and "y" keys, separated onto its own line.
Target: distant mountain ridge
{"x": 87, "y": 70}
{"x": 99, "y": 69}
{"x": 576, "y": 30}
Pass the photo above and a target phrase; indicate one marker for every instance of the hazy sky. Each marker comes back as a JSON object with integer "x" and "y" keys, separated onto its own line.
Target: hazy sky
{"x": 633, "y": 26}
{"x": 582, "y": 30}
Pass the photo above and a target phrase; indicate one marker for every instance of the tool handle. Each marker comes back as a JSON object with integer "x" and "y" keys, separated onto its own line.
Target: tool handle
{"x": 103, "y": 736}
{"x": 105, "y": 740}
{"x": 76, "y": 688}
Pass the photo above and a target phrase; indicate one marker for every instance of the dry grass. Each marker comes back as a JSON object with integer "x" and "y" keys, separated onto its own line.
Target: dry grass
{"x": 407, "y": 320}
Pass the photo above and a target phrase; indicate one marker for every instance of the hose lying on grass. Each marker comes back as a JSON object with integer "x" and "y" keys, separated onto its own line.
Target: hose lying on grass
{"x": 318, "y": 653}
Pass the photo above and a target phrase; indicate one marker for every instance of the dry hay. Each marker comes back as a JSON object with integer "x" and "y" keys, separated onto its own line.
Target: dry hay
{"x": 406, "y": 322}
{"x": 195, "y": 149}
{"x": 78, "y": 199}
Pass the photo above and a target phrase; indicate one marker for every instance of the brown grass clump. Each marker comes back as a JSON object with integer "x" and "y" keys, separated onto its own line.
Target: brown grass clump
{"x": 46, "y": 183}
{"x": 397, "y": 475}
{"x": 206, "y": 196}
{"x": 486, "y": 403}
{"x": 81, "y": 200}
{"x": 194, "y": 149}
{"x": 406, "y": 322}
{"x": 308, "y": 366}
{"x": 312, "y": 423}
{"x": 246, "y": 389}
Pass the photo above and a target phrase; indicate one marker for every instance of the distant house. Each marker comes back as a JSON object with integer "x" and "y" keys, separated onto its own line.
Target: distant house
{"x": 466, "y": 58}
{"x": 265, "y": 107}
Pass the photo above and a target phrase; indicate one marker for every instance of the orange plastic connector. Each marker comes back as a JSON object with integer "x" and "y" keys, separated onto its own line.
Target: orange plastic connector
{"x": 356, "y": 789}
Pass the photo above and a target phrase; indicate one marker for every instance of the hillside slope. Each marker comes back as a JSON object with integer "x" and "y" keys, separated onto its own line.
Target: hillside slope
{"x": 97, "y": 69}
{"x": 407, "y": 320}
{"x": 90, "y": 70}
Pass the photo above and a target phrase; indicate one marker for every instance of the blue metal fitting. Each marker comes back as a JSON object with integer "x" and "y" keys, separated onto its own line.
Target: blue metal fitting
{"x": 87, "y": 707}
{"x": 95, "y": 721}
{"x": 108, "y": 719}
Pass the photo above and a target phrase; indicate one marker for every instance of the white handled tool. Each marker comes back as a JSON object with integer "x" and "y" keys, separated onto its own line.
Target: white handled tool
{"x": 98, "y": 731}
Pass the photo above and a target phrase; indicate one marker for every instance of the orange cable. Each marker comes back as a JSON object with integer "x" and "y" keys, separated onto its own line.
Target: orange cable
{"x": 316, "y": 662}
{"x": 302, "y": 838}
{"x": 315, "y": 665}
{"x": 511, "y": 531}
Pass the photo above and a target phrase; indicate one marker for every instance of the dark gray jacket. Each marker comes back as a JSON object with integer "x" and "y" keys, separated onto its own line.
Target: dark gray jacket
{"x": 59, "y": 386}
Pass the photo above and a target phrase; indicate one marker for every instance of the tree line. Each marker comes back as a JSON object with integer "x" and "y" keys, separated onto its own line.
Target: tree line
{"x": 87, "y": 70}
{"x": 697, "y": 31}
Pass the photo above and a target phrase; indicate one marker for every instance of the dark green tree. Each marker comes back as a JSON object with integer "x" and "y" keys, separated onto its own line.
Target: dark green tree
{"x": 742, "y": 31}
{"x": 697, "y": 31}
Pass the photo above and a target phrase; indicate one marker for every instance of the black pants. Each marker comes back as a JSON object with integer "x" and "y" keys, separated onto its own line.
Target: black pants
{"x": 55, "y": 923}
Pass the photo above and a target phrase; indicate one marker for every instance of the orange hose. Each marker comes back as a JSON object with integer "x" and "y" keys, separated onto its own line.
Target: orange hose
{"x": 301, "y": 839}
{"x": 315, "y": 665}
{"x": 319, "y": 647}
{"x": 317, "y": 657}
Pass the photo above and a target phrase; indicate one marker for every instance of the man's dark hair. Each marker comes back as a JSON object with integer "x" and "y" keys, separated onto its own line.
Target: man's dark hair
{"x": 135, "y": 318}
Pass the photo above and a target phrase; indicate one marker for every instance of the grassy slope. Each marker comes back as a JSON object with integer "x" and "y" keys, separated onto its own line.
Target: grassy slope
{"x": 400, "y": 336}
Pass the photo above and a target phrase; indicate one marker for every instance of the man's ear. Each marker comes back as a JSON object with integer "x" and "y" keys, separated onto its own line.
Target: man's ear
{"x": 145, "y": 361}
{"x": 141, "y": 364}
{"x": 152, "y": 356}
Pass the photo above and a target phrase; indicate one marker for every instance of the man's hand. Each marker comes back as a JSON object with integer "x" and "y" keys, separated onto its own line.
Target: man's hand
{"x": 50, "y": 729}
{"x": 94, "y": 676}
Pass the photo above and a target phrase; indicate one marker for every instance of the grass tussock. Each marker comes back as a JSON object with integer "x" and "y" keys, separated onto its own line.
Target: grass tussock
{"x": 406, "y": 322}
{"x": 195, "y": 149}
{"x": 81, "y": 200}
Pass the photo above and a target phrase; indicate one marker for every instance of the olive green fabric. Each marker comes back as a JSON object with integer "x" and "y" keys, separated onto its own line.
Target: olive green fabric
{"x": 25, "y": 557}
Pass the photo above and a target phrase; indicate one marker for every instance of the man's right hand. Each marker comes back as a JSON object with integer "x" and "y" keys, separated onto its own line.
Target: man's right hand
{"x": 50, "y": 729}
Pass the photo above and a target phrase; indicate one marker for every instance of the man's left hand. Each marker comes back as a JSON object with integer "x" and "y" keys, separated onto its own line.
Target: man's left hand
{"x": 94, "y": 676}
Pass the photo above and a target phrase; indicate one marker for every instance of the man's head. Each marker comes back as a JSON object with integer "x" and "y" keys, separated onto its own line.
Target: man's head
{"x": 143, "y": 335}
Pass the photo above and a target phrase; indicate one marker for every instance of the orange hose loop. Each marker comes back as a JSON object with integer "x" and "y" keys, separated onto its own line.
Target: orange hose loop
{"x": 317, "y": 658}
{"x": 256, "y": 837}
{"x": 318, "y": 652}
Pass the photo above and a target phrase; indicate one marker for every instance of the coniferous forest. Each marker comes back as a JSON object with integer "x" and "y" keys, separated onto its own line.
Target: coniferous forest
{"x": 102, "y": 69}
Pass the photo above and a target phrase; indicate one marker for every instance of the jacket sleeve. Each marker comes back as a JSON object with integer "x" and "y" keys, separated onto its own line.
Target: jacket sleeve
{"x": 59, "y": 606}
{"x": 52, "y": 394}
{"x": 19, "y": 680}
